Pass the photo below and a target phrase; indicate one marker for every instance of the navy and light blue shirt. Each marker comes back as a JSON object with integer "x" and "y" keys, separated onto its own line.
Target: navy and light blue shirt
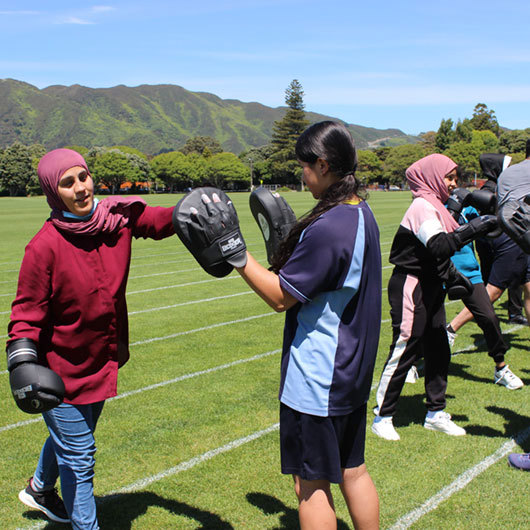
{"x": 331, "y": 336}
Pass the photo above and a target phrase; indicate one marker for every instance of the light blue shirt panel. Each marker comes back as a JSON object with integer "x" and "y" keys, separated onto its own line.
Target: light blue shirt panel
{"x": 312, "y": 354}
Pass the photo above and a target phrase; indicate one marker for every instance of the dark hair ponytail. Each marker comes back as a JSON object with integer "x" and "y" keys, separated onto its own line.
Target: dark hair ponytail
{"x": 333, "y": 143}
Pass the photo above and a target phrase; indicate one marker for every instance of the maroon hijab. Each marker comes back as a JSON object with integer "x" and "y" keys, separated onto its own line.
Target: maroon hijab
{"x": 110, "y": 215}
{"x": 426, "y": 179}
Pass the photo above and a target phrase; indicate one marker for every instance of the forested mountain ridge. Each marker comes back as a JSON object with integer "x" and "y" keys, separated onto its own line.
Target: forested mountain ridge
{"x": 151, "y": 118}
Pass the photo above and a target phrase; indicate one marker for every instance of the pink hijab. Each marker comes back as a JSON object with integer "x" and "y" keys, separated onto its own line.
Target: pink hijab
{"x": 426, "y": 180}
{"x": 110, "y": 215}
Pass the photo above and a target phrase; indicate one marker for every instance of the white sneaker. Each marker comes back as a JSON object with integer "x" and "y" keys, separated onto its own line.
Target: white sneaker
{"x": 441, "y": 421}
{"x": 412, "y": 375}
{"x": 506, "y": 377}
{"x": 383, "y": 427}
{"x": 451, "y": 337}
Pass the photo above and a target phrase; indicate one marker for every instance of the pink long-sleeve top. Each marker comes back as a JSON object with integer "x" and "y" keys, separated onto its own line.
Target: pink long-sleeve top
{"x": 71, "y": 302}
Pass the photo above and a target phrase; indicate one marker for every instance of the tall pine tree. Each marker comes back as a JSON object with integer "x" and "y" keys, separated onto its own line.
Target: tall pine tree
{"x": 284, "y": 167}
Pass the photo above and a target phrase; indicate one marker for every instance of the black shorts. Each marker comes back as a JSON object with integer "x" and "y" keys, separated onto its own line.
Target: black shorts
{"x": 318, "y": 448}
{"x": 509, "y": 270}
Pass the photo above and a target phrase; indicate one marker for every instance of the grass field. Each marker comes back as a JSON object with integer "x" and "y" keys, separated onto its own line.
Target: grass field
{"x": 192, "y": 439}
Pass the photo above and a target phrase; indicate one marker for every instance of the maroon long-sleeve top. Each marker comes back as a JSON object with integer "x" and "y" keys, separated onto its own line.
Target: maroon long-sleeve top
{"x": 71, "y": 301}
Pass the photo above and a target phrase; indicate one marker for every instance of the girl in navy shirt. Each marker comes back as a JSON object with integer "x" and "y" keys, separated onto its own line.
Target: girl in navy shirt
{"x": 327, "y": 276}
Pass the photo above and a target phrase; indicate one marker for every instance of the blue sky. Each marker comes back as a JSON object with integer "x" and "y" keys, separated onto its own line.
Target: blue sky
{"x": 378, "y": 64}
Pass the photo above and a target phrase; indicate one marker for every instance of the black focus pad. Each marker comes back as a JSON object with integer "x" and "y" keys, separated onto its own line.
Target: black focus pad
{"x": 36, "y": 388}
{"x": 206, "y": 222}
{"x": 514, "y": 219}
{"x": 274, "y": 217}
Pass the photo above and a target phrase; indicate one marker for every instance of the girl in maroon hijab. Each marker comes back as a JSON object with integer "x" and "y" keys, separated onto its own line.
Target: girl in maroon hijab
{"x": 71, "y": 303}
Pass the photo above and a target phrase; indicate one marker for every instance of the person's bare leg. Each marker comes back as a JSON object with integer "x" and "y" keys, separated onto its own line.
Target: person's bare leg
{"x": 315, "y": 504}
{"x": 462, "y": 318}
{"x": 494, "y": 292}
{"x": 361, "y": 497}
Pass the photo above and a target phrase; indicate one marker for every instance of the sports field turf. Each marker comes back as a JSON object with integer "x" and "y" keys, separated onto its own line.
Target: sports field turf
{"x": 192, "y": 439}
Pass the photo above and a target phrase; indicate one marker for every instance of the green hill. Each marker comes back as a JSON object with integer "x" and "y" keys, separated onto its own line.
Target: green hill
{"x": 152, "y": 118}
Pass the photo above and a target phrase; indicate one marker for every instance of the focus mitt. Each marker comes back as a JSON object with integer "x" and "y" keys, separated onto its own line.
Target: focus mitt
{"x": 514, "y": 219}
{"x": 206, "y": 222}
{"x": 274, "y": 217}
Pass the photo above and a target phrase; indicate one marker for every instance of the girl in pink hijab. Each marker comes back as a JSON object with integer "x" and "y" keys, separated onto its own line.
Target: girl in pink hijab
{"x": 420, "y": 254}
{"x": 70, "y": 309}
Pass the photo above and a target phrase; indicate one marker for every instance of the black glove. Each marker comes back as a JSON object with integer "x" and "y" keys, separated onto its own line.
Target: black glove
{"x": 458, "y": 199}
{"x": 206, "y": 222}
{"x": 484, "y": 201}
{"x": 274, "y": 216}
{"x": 479, "y": 226}
{"x": 458, "y": 286}
{"x": 35, "y": 388}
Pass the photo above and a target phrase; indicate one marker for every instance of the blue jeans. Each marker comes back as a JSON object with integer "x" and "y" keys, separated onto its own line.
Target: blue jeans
{"x": 69, "y": 453}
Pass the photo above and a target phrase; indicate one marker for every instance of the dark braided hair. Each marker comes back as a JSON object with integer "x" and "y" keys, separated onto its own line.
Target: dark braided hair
{"x": 333, "y": 143}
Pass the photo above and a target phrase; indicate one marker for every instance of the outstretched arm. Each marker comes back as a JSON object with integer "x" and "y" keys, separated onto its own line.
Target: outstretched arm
{"x": 267, "y": 285}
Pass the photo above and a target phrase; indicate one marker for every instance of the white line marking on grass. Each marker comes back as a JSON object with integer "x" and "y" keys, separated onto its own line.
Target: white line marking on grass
{"x": 460, "y": 483}
{"x": 161, "y": 384}
{"x": 194, "y": 374}
{"x": 137, "y": 266}
{"x": 20, "y": 424}
{"x": 134, "y": 257}
{"x": 161, "y": 273}
{"x": 189, "y": 303}
{"x": 212, "y": 326}
{"x": 184, "y": 466}
{"x": 234, "y": 277}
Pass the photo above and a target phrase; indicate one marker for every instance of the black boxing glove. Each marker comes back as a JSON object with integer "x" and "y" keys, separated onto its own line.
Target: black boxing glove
{"x": 458, "y": 286}
{"x": 458, "y": 199}
{"x": 35, "y": 388}
{"x": 485, "y": 225}
{"x": 484, "y": 201}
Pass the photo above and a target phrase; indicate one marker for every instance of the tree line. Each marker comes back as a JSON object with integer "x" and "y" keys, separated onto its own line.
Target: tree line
{"x": 124, "y": 169}
{"x": 463, "y": 141}
{"x": 202, "y": 161}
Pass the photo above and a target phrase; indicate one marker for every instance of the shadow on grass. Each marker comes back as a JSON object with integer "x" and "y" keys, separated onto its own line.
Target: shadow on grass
{"x": 411, "y": 409}
{"x": 119, "y": 512}
{"x": 459, "y": 370}
{"x": 514, "y": 340}
{"x": 288, "y": 516}
{"x": 513, "y": 425}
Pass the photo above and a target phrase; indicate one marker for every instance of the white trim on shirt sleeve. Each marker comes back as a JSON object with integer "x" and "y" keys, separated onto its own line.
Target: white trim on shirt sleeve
{"x": 428, "y": 229}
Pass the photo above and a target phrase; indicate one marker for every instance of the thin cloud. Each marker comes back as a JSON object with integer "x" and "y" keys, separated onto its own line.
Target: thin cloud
{"x": 74, "y": 20}
{"x": 85, "y": 17}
